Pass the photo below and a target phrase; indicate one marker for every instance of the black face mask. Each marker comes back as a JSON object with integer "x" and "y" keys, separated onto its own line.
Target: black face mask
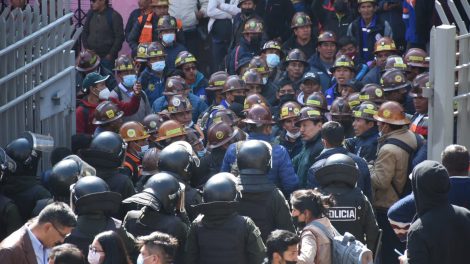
{"x": 239, "y": 99}
{"x": 247, "y": 11}
{"x": 297, "y": 224}
{"x": 290, "y": 262}
{"x": 287, "y": 98}
{"x": 340, "y": 7}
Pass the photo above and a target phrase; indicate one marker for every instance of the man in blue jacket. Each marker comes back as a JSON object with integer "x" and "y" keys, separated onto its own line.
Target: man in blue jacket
{"x": 332, "y": 134}
{"x": 259, "y": 125}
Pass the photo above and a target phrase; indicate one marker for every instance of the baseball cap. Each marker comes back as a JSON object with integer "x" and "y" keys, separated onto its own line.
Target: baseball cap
{"x": 92, "y": 79}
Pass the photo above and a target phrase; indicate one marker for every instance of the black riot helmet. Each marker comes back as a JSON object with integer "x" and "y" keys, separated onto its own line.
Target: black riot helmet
{"x": 107, "y": 149}
{"x": 220, "y": 188}
{"x": 91, "y": 195}
{"x": 254, "y": 157}
{"x": 63, "y": 174}
{"x": 338, "y": 168}
{"x": 178, "y": 158}
{"x": 26, "y": 158}
{"x": 162, "y": 192}
{"x": 7, "y": 164}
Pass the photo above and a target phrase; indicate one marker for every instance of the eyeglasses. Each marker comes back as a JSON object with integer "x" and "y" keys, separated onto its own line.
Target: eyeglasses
{"x": 94, "y": 250}
{"x": 60, "y": 233}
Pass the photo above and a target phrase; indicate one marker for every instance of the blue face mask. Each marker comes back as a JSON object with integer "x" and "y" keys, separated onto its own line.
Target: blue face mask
{"x": 201, "y": 153}
{"x": 272, "y": 60}
{"x": 158, "y": 66}
{"x": 129, "y": 80}
{"x": 168, "y": 38}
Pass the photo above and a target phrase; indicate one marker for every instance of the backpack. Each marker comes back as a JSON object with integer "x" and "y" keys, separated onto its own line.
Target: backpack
{"x": 411, "y": 156}
{"x": 345, "y": 249}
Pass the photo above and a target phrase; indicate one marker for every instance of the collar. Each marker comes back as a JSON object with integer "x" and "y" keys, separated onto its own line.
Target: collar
{"x": 373, "y": 131}
{"x": 40, "y": 251}
{"x": 372, "y": 22}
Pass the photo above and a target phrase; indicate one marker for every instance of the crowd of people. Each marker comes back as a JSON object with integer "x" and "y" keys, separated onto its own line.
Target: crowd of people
{"x": 311, "y": 125}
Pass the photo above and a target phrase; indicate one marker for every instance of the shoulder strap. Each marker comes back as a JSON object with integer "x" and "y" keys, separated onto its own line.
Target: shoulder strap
{"x": 323, "y": 229}
{"x": 400, "y": 144}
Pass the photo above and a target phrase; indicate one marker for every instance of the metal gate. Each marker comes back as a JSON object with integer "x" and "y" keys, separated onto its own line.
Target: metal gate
{"x": 449, "y": 81}
{"x": 37, "y": 74}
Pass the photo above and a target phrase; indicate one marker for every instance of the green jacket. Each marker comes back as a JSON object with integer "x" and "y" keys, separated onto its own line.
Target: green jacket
{"x": 305, "y": 159}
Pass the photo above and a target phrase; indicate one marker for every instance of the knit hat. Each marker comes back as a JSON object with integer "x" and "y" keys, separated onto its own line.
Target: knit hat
{"x": 400, "y": 215}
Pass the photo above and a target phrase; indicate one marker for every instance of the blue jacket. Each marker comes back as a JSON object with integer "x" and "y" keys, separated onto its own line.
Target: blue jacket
{"x": 331, "y": 94}
{"x": 152, "y": 85}
{"x": 364, "y": 178}
{"x": 242, "y": 51}
{"x": 199, "y": 86}
{"x": 372, "y": 76}
{"x": 365, "y": 145}
{"x": 171, "y": 53}
{"x": 198, "y": 105}
{"x": 317, "y": 66}
{"x": 282, "y": 173}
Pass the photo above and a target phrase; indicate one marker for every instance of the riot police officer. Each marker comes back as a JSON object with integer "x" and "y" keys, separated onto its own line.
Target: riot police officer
{"x": 352, "y": 212}
{"x": 261, "y": 200}
{"x": 10, "y": 218}
{"x": 106, "y": 154}
{"x": 163, "y": 210}
{"x": 179, "y": 159}
{"x": 22, "y": 185}
{"x": 93, "y": 203}
{"x": 220, "y": 234}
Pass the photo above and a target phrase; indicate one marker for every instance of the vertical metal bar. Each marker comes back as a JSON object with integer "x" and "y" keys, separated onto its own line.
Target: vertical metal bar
{"x": 463, "y": 119}
{"x": 441, "y": 13}
{"x": 457, "y": 17}
{"x": 442, "y": 78}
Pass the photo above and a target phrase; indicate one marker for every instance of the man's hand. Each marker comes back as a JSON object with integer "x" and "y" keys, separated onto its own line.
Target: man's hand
{"x": 137, "y": 88}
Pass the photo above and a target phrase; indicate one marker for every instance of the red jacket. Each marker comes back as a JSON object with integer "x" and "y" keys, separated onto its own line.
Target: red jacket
{"x": 85, "y": 113}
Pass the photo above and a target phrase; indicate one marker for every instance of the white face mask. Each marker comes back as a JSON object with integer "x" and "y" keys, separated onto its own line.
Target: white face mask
{"x": 265, "y": 80}
{"x": 141, "y": 259}
{"x": 104, "y": 94}
{"x": 294, "y": 136}
{"x": 93, "y": 257}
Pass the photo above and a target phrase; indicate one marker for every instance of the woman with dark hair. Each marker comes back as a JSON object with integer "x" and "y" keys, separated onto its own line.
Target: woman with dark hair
{"x": 310, "y": 207}
{"x": 108, "y": 248}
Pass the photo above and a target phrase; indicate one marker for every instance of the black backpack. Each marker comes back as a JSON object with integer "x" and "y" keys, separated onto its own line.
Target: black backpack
{"x": 411, "y": 156}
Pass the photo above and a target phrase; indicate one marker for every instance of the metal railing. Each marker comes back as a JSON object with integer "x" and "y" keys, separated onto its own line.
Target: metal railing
{"x": 37, "y": 75}
{"x": 450, "y": 82}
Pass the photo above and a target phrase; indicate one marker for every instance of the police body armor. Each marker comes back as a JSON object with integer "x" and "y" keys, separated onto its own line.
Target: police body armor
{"x": 231, "y": 250}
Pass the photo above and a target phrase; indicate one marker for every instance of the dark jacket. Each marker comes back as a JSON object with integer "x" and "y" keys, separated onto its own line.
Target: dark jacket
{"x": 332, "y": 22}
{"x": 282, "y": 172}
{"x": 277, "y": 15}
{"x": 440, "y": 232}
{"x": 352, "y": 211}
{"x": 144, "y": 222}
{"x": 131, "y": 21}
{"x": 363, "y": 181}
{"x": 395, "y": 18}
{"x": 18, "y": 248}
{"x": 309, "y": 49}
{"x": 136, "y": 30}
{"x": 264, "y": 203}
{"x": 98, "y": 35}
{"x": 293, "y": 148}
{"x": 380, "y": 29}
{"x": 199, "y": 86}
{"x": 10, "y": 218}
{"x": 238, "y": 25}
{"x": 220, "y": 235}
{"x": 373, "y": 75}
{"x": 171, "y": 53}
{"x": 318, "y": 67}
{"x": 365, "y": 145}
{"x": 152, "y": 85}
{"x": 243, "y": 50}
{"x": 305, "y": 159}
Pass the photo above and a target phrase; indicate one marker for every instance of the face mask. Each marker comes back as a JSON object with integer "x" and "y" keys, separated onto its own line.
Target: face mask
{"x": 272, "y": 60}
{"x": 129, "y": 80}
{"x": 141, "y": 259}
{"x": 294, "y": 136}
{"x": 239, "y": 99}
{"x": 143, "y": 150}
{"x": 93, "y": 257}
{"x": 104, "y": 94}
{"x": 286, "y": 98}
{"x": 168, "y": 38}
{"x": 158, "y": 66}
{"x": 247, "y": 11}
{"x": 340, "y": 7}
{"x": 290, "y": 262}
{"x": 299, "y": 225}
{"x": 201, "y": 153}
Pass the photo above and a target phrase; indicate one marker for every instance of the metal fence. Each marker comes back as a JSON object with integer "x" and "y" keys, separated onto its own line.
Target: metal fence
{"x": 449, "y": 81}
{"x": 37, "y": 75}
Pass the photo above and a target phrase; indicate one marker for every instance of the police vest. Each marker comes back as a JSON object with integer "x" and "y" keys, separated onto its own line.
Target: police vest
{"x": 256, "y": 206}
{"x": 224, "y": 243}
{"x": 348, "y": 214}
